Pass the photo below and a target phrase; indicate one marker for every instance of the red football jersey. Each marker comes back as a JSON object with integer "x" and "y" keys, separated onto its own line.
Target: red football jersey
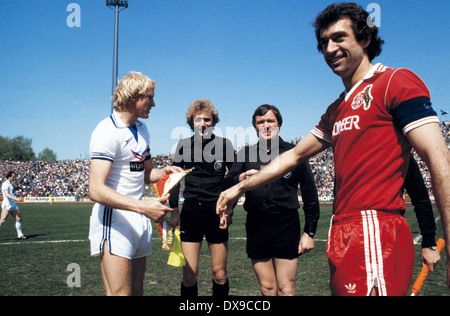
{"x": 370, "y": 150}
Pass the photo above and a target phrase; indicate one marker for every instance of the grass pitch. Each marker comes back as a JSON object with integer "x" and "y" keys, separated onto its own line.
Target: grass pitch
{"x": 40, "y": 266}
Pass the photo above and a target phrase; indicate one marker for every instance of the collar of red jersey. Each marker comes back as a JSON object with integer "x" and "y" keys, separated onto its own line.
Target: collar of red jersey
{"x": 378, "y": 68}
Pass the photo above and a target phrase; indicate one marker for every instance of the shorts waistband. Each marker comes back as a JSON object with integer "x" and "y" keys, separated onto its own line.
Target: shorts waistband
{"x": 357, "y": 215}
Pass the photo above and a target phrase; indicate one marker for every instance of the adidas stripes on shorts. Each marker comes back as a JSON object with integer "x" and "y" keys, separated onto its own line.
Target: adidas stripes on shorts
{"x": 370, "y": 249}
{"x": 126, "y": 234}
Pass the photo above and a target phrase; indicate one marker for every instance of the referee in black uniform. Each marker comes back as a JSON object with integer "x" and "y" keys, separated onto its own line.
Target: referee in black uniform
{"x": 273, "y": 224}
{"x": 210, "y": 156}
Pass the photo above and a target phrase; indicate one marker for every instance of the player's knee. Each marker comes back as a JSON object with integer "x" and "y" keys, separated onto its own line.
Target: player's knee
{"x": 286, "y": 287}
{"x": 220, "y": 276}
{"x": 286, "y": 290}
{"x": 123, "y": 291}
{"x": 268, "y": 289}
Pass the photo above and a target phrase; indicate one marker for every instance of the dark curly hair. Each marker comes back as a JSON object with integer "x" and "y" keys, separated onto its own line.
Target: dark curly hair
{"x": 359, "y": 17}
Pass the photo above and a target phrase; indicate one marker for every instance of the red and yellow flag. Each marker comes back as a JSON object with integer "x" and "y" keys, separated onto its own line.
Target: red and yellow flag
{"x": 161, "y": 188}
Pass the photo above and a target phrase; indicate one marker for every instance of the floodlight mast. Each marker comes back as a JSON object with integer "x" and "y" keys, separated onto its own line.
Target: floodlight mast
{"x": 116, "y": 5}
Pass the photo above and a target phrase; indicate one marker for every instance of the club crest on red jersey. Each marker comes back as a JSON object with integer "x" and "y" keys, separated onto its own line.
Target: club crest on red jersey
{"x": 363, "y": 98}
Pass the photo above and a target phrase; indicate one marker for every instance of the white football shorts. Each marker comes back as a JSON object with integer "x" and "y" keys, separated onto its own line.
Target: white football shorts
{"x": 9, "y": 205}
{"x": 126, "y": 234}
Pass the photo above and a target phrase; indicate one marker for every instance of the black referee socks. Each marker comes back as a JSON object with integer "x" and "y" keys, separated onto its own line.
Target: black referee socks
{"x": 189, "y": 291}
{"x": 220, "y": 289}
{"x": 217, "y": 289}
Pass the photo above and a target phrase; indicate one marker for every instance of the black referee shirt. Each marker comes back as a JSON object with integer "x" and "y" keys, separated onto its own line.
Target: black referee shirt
{"x": 281, "y": 194}
{"x": 210, "y": 158}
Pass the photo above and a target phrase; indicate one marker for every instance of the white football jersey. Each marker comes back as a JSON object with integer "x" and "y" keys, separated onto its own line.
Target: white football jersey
{"x": 7, "y": 203}
{"x": 127, "y": 148}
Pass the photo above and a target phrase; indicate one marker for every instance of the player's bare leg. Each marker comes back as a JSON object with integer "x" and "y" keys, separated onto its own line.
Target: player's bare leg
{"x": 286, "y": 272}
{"x": 105, "y": 281}
{"x": 191, "y": 252}
{"x": 16, "y": 215}
{"x": 374, "y": 292}
{"x": 116, "y": 273}
{"x": 219, "y": 254}
{"x": 4, "y": 216}
{"x": 138, "y": 267}
{"x": 276, "y": 276}
{"x": 265, "y": 273}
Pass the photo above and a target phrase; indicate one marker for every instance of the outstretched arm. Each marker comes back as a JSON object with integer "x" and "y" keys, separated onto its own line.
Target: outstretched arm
{"x": 307, "y": 147}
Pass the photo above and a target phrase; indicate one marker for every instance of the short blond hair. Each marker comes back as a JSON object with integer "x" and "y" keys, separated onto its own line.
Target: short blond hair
{"x": 132, "y": 85}
{"x": 201, "y": 105}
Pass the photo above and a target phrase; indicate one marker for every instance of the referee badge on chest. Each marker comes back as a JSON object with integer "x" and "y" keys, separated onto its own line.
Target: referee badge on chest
{"x": 218, "y": 165}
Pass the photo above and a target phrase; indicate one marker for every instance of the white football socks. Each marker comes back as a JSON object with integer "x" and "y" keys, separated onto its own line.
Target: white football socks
{"x": 19, "y": 229}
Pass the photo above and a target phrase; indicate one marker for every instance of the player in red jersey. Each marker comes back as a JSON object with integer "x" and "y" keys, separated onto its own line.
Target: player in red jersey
{"x": 371, "y": 128}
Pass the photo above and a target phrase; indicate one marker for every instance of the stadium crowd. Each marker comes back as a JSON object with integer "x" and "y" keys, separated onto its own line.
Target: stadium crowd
{"x": 70, "y": 178}
{"x": 49, "y": 178}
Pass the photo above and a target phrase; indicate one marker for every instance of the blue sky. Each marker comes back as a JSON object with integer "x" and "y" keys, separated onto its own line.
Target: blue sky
{"x": 56, "y": 80}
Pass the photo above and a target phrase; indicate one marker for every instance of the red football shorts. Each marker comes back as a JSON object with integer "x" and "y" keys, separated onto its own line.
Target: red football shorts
{"x": 370, "y": 249}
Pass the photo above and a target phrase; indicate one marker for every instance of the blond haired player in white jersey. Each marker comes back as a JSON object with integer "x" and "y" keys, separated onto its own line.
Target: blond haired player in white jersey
{"x": 120, "y": 228}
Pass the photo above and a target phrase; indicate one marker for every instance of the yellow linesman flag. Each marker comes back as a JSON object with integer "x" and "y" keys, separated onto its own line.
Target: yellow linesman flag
{"x": 176, "y": 257}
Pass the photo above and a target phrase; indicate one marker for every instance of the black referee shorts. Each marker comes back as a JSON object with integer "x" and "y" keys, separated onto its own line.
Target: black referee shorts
{"x": 199, "y": 219}
{"x": 273, "y": 235}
